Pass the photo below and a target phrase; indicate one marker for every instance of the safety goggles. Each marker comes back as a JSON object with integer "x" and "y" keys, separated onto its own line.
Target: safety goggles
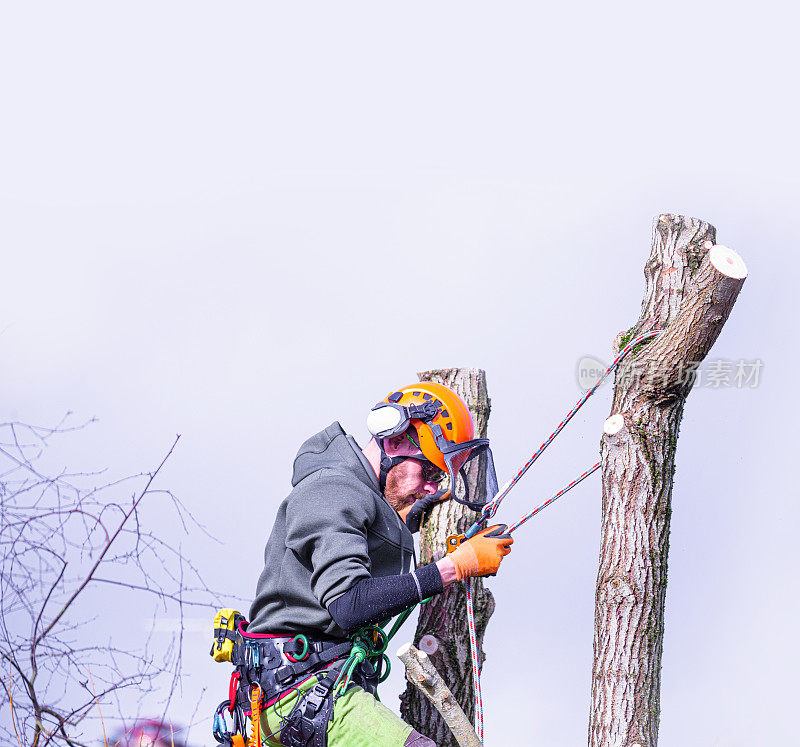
{"x": 431, "y": 472}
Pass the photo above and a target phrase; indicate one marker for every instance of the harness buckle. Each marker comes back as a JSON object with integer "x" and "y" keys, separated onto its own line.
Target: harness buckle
{"x": 314, "y": 699}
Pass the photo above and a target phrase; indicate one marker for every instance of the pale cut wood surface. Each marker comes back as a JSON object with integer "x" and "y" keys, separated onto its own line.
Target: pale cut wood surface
{"x": 421, "y": 673}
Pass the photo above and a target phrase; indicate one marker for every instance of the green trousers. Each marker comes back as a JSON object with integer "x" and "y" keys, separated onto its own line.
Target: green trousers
{"x": 359, "y": 720}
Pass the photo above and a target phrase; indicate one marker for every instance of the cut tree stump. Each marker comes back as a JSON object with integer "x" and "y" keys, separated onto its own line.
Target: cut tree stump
{"x": 691, "y": 286}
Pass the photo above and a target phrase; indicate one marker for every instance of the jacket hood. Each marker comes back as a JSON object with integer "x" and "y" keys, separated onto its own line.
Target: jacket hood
{"x": 333, "y": 449}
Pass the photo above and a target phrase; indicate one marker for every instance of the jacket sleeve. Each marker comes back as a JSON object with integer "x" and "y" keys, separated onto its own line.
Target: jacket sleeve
{"x": 373, "y": 600}
{"x": 326, "y": 527}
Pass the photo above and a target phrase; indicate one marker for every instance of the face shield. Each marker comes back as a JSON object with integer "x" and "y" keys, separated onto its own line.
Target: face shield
{"x": 473, "y": 481}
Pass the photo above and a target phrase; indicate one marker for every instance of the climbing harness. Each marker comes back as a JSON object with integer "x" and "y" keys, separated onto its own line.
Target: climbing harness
{"x": 491, "y": 507}
{"x": 267, "y": 667}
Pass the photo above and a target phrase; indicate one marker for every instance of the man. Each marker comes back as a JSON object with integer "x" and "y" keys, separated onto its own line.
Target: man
{"x": 339, "y": 558}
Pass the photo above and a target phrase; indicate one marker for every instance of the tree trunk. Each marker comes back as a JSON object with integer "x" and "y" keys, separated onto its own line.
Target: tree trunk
{"x": 691, "y": 286}
{"x": 442, "y": 627}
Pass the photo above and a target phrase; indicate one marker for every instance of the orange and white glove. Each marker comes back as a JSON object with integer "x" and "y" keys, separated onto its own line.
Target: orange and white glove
{"x": 481, "y": 555}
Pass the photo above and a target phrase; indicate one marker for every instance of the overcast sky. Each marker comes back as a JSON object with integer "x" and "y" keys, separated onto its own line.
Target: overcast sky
{"x": 241, "y": 222}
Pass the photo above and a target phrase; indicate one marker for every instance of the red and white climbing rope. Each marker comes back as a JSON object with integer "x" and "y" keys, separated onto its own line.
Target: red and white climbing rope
{"x": 476, "y": 675}
{"x": 550, "y": 500}
{"x": 491, "y": 507}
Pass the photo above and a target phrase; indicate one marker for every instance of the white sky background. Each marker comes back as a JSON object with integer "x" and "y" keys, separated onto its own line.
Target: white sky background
{"x": 242, "y": 222}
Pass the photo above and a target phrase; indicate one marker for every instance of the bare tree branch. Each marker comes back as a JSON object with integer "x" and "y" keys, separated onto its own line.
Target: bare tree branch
{"x": 107, "y": 546}
{"x": 61, "y": 533}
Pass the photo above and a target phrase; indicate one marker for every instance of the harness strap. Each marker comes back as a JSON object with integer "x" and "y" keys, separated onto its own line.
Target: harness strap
{"x": 220, "y": 634}
{"x": 308, "y": 721}
{"x": 289, "y": 672}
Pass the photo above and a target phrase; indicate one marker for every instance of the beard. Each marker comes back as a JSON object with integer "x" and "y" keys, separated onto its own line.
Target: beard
{"x": 398, "y": 497}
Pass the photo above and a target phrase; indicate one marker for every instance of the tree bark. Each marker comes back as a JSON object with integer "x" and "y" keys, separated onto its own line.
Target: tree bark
{"x": 442, "y": 628}
{"x": 691, "y": 287}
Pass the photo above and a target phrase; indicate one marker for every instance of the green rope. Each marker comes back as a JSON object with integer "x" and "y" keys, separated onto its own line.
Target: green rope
{"x": 401, "y": 618}
{"x": 370, "y": 642}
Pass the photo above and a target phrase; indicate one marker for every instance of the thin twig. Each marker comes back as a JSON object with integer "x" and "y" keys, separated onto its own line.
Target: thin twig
{"x": 107, "y": 547}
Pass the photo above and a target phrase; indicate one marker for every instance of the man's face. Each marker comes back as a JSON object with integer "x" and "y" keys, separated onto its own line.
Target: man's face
{"x": 405, "y": 482}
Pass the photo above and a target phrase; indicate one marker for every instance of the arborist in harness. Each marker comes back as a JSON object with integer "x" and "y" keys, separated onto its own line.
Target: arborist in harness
{"x": 338, "y": 561}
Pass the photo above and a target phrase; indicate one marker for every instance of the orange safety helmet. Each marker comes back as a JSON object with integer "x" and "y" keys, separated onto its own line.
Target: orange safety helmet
{"x": 444, "y": 428}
